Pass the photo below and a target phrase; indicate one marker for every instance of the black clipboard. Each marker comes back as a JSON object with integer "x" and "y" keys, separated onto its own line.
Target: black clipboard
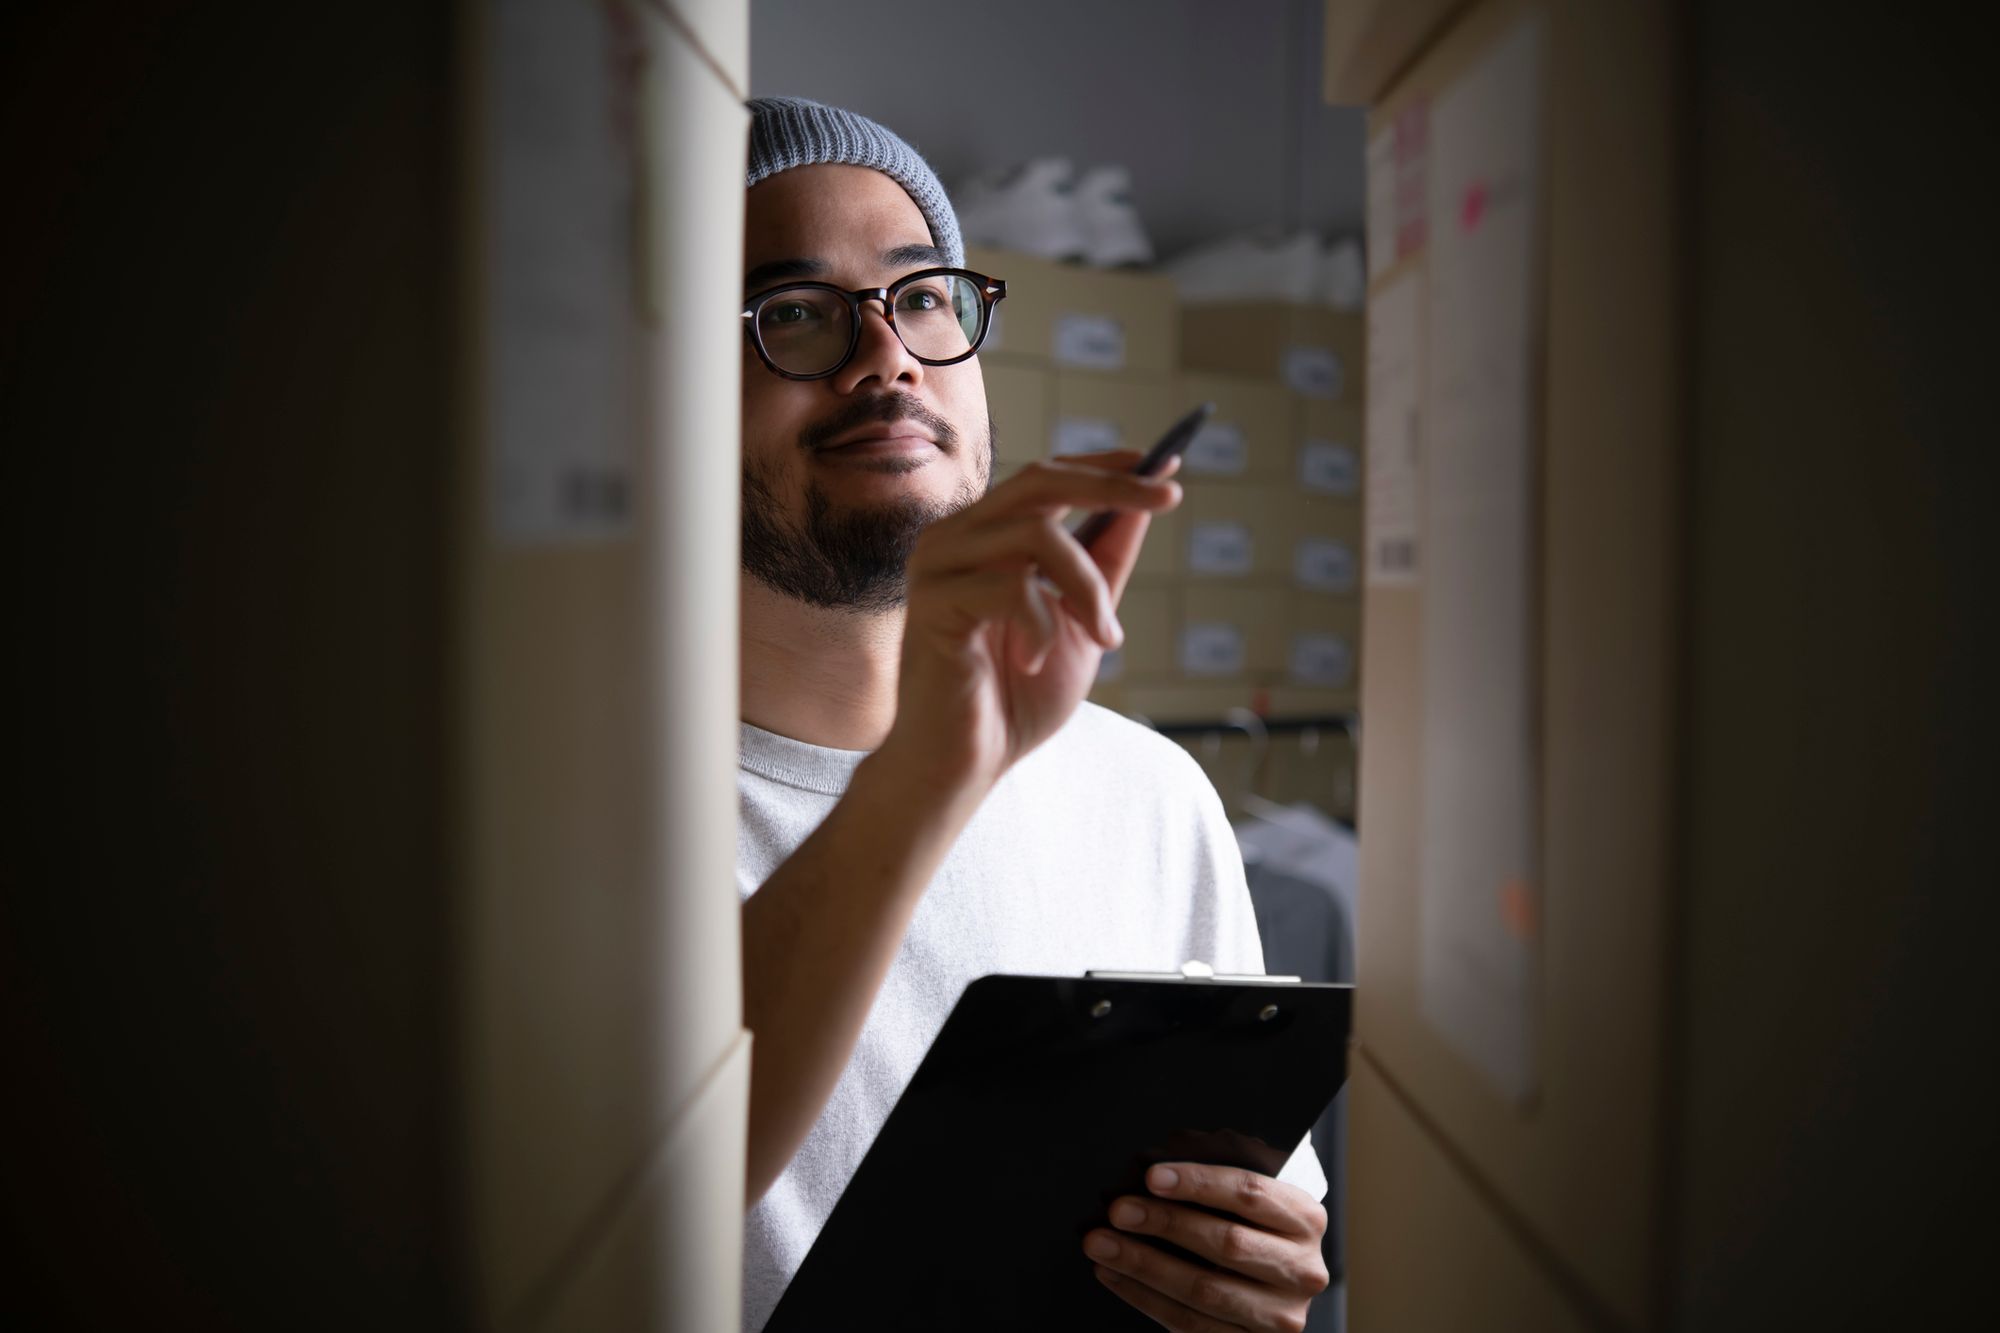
{"x": 1041, "y": 1101}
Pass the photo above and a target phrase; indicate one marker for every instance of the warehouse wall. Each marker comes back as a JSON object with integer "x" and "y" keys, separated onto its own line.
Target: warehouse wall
{"x": 1214, "y": 105}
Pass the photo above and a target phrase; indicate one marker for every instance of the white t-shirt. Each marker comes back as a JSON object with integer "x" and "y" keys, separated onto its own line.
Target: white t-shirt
{"x": 1106, "y": 848}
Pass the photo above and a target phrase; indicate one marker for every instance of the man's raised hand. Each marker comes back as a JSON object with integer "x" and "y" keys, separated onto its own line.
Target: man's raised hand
{"x": 1008, "y": 615}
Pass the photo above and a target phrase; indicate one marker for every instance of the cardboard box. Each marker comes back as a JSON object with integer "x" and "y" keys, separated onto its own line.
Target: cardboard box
{"x": 1232, "y": 631}
{"x": 1323, "y": 641}
{"x": 1160, "y": 555}
{"x": 1019, "y": 399}
{"x": 1311, "y": 350}
{"x": 1090, "y": 413}
{"x": 1330, "y": 454}
{"x": 1080, "y": 318}
{"x": 1322, "y": 542}
{"x": 1251, "y": 435}
{"x": 1235, "y": 532}
{"x": 1149, "y": 616}
{"x": 1021, "y": 318}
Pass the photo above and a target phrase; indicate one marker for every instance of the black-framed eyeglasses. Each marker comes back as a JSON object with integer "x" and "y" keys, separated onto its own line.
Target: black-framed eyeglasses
{"x": 809, "y": 330}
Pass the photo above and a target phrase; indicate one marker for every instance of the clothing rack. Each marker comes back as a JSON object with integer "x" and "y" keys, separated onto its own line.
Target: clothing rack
{"x": 1346, "y": 724}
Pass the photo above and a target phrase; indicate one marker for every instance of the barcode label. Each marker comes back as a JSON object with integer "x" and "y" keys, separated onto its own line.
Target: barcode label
{"x": 1396, "y": 556}
{"x": 594, "y": 495}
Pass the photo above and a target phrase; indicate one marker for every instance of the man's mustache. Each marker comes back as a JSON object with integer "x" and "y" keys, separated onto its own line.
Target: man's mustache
{"x": 886, "y": 407}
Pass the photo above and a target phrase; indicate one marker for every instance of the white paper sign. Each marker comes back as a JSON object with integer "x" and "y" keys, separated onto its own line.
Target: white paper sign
{"x": 1095, "y": 342}
{"x": 1319, "y": 658}
{"x": 1395, "y": 377}
{"x": 1085, "y": 435}
{"x": 1218, "y": 449}
{"x": 1324, "y": 564}
{"x": 1211, "y": 648}
{"x": 1329, "y": 468}
{"x": 565, "y": 341}
{"x": 1219, "y": 546}
{"x": 1313, "y": 371}
{"x": 1479, "y": 861}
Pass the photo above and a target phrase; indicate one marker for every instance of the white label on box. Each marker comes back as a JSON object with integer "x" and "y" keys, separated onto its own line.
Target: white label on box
{"x": 1095, "y": 342}
{"x": 1211, "y": 648}
{"x": 1218, "y": 449}
{"x": 1395, "y": 359}
{"x": 1219, "y": 546}
{"x": 1085, "y": 435}
{"x": 1315, "y": 372}
{"x": 1322, "y": 659}
{"x": 1323, "y": 564}
{"x": 1111, "y": 666}
{"x": 1329, "y": 468}
{"x": 567, "y": 353}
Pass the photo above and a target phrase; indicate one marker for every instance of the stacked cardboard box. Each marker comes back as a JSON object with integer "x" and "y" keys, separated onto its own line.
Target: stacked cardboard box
{"x": 1267, "y": 559}
{"x": 1248, "y": 596}
{"x": 1081, "y": 360}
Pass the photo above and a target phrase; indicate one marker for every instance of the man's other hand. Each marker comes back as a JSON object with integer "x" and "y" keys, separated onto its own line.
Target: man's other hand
{"x": 1267, "y": 1254}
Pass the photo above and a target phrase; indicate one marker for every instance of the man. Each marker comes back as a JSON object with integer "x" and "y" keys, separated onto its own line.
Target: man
{"x": 925, "y": 798}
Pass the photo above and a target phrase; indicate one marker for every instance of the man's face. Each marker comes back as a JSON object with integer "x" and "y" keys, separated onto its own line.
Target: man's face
{"x": 828, "y": 518}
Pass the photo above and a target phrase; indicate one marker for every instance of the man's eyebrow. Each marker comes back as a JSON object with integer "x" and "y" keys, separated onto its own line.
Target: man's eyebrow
{"x": 765, "y": 274}
{"x": 918, "y": 256}
{"x": 902, "y": 256}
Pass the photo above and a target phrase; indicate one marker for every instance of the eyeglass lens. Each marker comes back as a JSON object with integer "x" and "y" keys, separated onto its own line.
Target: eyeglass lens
{"x": 806, "y": 330}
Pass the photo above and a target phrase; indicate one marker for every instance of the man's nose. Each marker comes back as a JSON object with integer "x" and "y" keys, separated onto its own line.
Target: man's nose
{"x": 880, "y": 353}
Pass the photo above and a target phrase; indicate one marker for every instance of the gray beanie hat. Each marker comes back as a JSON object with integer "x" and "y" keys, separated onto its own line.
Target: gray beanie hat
{"x": 787, "y": 132}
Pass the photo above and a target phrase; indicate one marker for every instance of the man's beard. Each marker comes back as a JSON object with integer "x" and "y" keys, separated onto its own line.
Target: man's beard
{"x": 847, "y": 558}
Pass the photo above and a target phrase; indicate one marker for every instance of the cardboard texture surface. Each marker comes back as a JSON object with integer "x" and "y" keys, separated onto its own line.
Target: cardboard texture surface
{"x": 1580, "y": 1165}
{"x": 1310, "y": 350}
{"x": 1250, "y": 437}
{"x": 1080, "y": 318}
{"x": 1019, "y": 398}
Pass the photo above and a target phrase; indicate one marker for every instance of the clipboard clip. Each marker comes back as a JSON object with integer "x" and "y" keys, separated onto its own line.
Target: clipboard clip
{"x": 1192, "y": 970}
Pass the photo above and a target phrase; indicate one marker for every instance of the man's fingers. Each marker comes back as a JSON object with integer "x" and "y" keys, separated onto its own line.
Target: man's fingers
{"x": 1037, "y": 539}
{"x": 1051, "y": 485}
{"x": 1264, "y": 1200}
{"x": 1282, "y": 1261}
{"x": 1226, "y": 1299}
{"x": 1164, "y": 1310}
{"x": 1012, "y": 600}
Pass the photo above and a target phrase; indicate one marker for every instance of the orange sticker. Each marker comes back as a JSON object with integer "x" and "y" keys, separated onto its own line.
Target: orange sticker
{"x": 1517, "y": 908}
